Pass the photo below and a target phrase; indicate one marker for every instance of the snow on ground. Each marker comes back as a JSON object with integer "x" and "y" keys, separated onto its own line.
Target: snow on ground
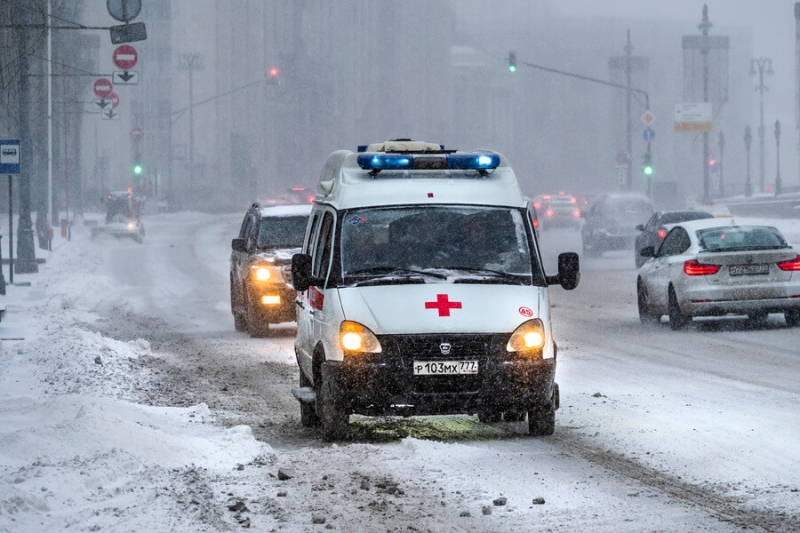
{"x": 83, "y": 447}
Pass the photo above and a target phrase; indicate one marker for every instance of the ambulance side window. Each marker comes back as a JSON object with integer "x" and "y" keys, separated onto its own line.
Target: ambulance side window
{"x": 324, "y": 247}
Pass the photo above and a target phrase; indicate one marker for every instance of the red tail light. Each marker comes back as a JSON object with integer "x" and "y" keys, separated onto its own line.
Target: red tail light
{"x": 661, "y": 233}
{"x": 693, "y": 268}
{"x": 549, "y": 213}
{"x": 573, "y": 200}
{"x": 537, "y": 205}
{"x": 791, "y": 266}
{"x": 536, "y": 223}
{"x": 576, "y": 213}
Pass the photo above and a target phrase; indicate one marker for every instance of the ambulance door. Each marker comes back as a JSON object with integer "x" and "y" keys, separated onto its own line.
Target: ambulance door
{"x": 303, "y": 339}
{"x": 322, "y": 315}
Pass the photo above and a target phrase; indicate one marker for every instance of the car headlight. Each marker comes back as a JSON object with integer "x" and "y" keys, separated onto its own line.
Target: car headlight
{"x": 266, "y": 273}
{"x": 528, "y": 337}
{"x": 354, "y": 337}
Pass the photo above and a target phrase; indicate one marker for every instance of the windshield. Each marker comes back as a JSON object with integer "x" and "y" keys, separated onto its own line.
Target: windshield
{"x": 281, "y": 232}
{"x": 735, "y": 238}
{"x": 437, "y": 243}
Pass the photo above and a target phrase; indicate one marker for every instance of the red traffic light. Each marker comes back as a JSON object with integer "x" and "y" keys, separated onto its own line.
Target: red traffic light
{"x": 273, "y": 72}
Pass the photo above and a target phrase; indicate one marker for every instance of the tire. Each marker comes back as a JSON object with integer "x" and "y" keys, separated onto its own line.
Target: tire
{"x": 334, "y": 418}
{"x": 792, "y": 318}
{"x": 239, "y": 322}
{"x": 677, "y": 320}
{"x": 645, "y": 316}
{"x": 308, "y": 413}
{"x": 490, "y": 416}
{"x": 514, "y": 416}
{"x": 542, "y": 420}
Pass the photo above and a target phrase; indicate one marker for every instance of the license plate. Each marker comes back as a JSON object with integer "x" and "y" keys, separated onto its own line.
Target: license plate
{"x": 748, "y": 270}
{"x": 445, "y": 368}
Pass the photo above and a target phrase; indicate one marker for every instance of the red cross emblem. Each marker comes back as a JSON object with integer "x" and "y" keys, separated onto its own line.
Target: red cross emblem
{"x": 443, "y": 305}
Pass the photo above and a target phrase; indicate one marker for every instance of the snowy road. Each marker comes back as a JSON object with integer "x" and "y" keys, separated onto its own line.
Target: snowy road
{"x": 658, "y": 430}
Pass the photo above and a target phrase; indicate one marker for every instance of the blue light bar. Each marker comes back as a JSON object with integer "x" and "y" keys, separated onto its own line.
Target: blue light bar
{"x": 384, "y": 161}
{"x": 426, "y": 161}
{"x": 473, "y": 161}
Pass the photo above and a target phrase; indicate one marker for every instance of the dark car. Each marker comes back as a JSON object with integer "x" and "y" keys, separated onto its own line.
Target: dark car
{"x": 654, "y": 231}
{"x": 611, "y": 222}
{"x": 261, "y": 261}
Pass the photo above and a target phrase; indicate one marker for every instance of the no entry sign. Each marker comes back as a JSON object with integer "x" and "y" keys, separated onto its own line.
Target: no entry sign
{"x": 103, "y": 88}
{"x": 137, "y": 133}
{"x": 125, "y": 57}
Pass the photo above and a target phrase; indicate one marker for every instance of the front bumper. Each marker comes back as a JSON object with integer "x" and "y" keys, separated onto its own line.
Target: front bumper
{"x": 273, "y": 313}
{"x": 384, "y": 384}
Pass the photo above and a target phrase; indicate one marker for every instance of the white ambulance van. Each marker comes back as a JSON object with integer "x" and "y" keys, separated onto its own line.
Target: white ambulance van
{"x": 421, "y": 291}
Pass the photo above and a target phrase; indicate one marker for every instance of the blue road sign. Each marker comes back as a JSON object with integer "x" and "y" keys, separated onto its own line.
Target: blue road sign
{"x": 648, "y": 134}
{"x": 9, "y": 156}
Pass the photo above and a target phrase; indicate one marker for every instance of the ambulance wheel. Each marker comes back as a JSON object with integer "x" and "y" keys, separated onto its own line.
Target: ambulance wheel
{"x": 333, "y": 417}
{"x": 308, "y": 414}
{"x": 542, "y": 420}
{"x": 514, "y": 416}
{"x": 489, "y": 416}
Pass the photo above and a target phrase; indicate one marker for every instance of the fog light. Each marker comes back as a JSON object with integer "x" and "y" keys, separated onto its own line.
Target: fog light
{"x": 270, "y": 300}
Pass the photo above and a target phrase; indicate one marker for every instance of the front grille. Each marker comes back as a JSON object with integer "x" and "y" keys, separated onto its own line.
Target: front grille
{"x": 403, "y": 350}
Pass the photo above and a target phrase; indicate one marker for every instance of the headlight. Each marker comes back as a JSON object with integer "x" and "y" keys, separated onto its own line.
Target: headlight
{"x": 131, "y": 225}
{"x": 263, "y": 272}
{"x": 527, "y": 337}
{"x": 354, "y": 337}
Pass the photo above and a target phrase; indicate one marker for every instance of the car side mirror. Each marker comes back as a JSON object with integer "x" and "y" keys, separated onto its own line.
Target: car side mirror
{"x": 301, "y": 272}
{"x": 237, "y": 245}
{"x": 639, "y": 227}
{"x": 569, "y": 271}
{"x": 648, "y": 251}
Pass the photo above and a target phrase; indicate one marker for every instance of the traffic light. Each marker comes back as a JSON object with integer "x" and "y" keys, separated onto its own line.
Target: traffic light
{"x": 138, "y": 168}
{"x": 512, "y": 61}
{"x": 647, "y": 165}
{"x": 272, "y": 76}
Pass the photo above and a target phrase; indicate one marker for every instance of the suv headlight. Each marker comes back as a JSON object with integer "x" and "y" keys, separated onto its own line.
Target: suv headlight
{"x": 354, "y": 337}
{"x": 528, "y": 337}
{"x": 264, "y": 273}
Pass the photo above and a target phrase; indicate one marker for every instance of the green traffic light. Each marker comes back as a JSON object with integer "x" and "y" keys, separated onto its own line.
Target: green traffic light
{"x": 512, "y": 68}
{"x": 137, "y": 169}
{"x": 648, "y": 170}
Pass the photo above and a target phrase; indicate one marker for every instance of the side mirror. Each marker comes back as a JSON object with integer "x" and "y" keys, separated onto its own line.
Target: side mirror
{"x": 648, "y": 251}
{"x": 301, "y": 272}
{"x": 237, "y": 245}
{"x": 639, "y": 227}
{"x": 569, "y": 271}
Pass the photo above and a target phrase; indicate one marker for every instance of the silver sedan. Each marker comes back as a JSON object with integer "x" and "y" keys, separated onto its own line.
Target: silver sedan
{"x": 715, "y": 267}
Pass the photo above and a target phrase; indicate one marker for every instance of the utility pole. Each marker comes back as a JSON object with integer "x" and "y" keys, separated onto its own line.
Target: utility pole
{"x": 705, "y": 24}
{"x": 748, "y": 184}
{"x": 628, "y": 127}
{"x": 778, "y": 157}
{"x": 721, "y": 143}
{"x": 26, "y": 258}
{"x": 761, "y": 66}
{"x": 191, "y": 62}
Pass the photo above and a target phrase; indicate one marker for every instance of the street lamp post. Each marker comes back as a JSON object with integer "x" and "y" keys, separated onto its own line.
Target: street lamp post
{"x": 761, "y": 66}
{"x": 704, "y": 26}
{"x": 721, "y": 143}
{"x": 748, "y": 185}
{"x": 778, "y": 157}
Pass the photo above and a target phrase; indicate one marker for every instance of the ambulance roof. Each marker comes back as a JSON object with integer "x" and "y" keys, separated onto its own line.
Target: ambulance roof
{"x": 416, "y": 173}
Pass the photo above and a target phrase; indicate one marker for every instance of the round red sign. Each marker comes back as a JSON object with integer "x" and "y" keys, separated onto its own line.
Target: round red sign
{"x": 125, "y": 57}
{"x": 137, "y": 133}
{"x": 103, "y": 88}
{"x": 114, "y": 100}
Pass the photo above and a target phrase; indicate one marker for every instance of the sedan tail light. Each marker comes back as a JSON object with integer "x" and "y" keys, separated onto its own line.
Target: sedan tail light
{"x": 549, "y": 213}
{"x": 694, "y": 268}
{"x": 791, "y": 266}
{"x": 576, "y": 213}
{"x": 662, "y": 232}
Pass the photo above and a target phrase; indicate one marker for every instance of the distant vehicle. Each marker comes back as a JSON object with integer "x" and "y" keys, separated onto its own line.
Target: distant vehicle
{"x": 559, "y": 211}
{"x": 260, "y": 271}
{"x": 122, "y": 216}
{"x": 611, "y": 222}
{"x": 654, "y": 231}
{"x": 713, "y": 267}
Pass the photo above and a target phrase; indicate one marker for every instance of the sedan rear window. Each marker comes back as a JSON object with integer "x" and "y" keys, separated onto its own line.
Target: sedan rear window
{"x": 734, "y": 238}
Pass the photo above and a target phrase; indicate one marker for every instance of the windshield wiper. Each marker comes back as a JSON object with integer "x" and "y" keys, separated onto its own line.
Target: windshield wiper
{"x": 387, "y": 270}
{"x": 488, "y": 271}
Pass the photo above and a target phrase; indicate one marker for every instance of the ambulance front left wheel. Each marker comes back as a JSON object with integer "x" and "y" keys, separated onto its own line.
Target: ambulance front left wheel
{"x": 334, "y": 418}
